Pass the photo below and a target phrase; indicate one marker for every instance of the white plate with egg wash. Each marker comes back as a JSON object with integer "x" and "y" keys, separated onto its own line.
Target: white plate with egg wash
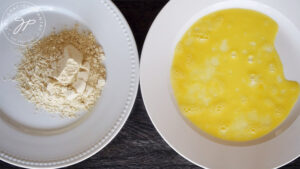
{"x": 276, "y": 149}
{"x": 35, "y": 138}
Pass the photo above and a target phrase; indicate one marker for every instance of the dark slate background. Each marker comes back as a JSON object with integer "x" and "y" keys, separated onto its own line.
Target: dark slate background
{"x": 138, "y": 145}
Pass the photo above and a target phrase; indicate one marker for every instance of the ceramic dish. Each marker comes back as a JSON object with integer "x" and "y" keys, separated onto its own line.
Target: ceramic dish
{"x": 38, "y": 139}
{"x": 275, "y": 149}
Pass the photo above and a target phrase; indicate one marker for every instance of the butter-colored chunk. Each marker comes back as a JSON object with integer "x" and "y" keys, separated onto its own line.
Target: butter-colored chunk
{"x": 101, "y": 83}
{"x": 88, "y": 90}
{"x": 79, "y": 85}
{"x": 71, "y": 52}
{"x": 51, "y": 87}
{"x": 69, "y": 65}
{"x": 71, "y": 94}
{"x": 86, "y": 66}
{"x": 83, "y": 75}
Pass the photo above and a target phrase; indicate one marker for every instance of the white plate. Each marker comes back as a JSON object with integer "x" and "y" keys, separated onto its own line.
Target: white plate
{"x": 276, "y": 149}
{"x": 40, "y": 140}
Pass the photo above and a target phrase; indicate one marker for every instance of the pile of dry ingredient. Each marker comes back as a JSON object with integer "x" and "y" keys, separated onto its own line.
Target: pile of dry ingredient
{"x": 63, "y": 72}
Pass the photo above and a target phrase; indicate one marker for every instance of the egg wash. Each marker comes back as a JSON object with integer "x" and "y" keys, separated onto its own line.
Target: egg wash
{"x": 227, "y": 77}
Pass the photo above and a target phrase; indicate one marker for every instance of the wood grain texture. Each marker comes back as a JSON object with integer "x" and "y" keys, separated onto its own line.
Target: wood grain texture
{"x": 138, "y": 145}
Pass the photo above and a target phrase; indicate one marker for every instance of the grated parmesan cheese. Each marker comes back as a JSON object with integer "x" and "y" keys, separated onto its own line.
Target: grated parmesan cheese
{"x": 63, "y": 72}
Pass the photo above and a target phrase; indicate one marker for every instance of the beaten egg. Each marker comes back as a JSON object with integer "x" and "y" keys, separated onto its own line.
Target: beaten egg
{"x": 227, "y": 77}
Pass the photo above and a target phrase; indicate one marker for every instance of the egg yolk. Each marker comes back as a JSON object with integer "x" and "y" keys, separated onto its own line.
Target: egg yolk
{"x": 227, "y": 77}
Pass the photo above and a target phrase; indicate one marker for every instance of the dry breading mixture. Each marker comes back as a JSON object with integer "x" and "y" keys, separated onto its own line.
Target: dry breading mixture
{"x": 63, "y": 72}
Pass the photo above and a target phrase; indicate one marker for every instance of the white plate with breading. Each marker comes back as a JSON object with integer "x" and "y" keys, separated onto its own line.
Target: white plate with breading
{"x": 38, "y": 139}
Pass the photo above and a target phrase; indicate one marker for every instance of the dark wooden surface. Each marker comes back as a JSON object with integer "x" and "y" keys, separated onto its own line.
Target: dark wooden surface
{"x": 138, "y": 145}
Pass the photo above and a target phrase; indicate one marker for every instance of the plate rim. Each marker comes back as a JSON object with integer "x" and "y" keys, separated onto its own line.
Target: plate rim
{"x": 123, "y": 117}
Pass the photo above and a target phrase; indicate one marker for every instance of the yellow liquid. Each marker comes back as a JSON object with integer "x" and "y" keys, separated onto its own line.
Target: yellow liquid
{"x": 227, "y": 77}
